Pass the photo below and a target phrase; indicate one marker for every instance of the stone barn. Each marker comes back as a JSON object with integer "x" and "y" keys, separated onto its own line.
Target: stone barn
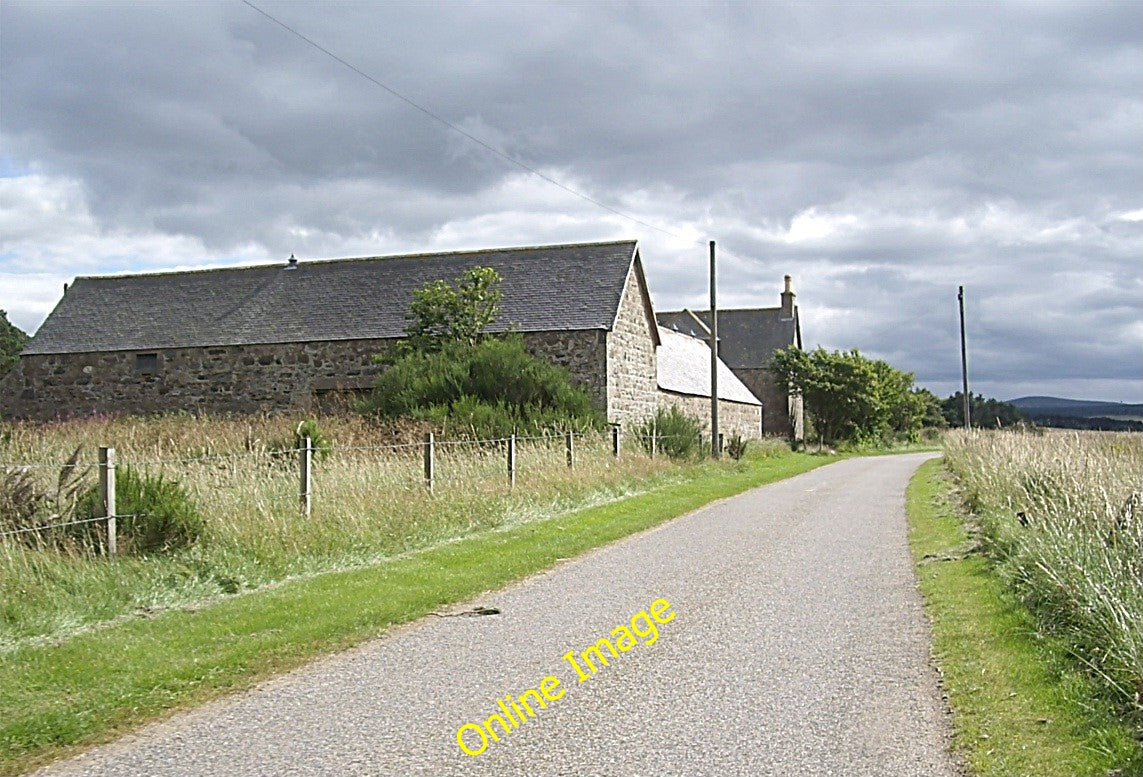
{"x": 288, "y": 336}
{"x": 684, "y": 381}
{"x": 747, "y": 340}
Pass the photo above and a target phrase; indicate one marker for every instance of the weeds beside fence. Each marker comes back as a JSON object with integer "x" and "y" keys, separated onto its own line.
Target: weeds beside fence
{"x": 368, "y": 499}
{"x": 1062, "y": 513}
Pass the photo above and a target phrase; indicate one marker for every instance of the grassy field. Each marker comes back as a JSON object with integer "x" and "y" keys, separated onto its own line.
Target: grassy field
{"x": 370, "y": 504}
{"x": 1021, "y": 705}
{"x": 87, "y": 684}
{"x": 1032, "y": 583}
{"x": 1062, "y": 515}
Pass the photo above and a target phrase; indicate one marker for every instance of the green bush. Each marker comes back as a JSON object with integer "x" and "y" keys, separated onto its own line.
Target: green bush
{"x": 156, "y": 514}
{"x": 491, "y": 388}
{"x": 322, "y": 445}
{"x": 676, "y": 435}
{"x": 308, "y": 428}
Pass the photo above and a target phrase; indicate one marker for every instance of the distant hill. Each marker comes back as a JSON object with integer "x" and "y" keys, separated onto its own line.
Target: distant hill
{"x": 1080, "y": 408}
{"x": 1081, "y": 413}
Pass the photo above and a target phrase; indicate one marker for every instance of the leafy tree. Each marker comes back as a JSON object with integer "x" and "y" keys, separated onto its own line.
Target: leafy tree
{"x": 987, "y": 413}
{"x": 932, "y": 416}
{"x": 440, "y": 314}
{"x": 852, "y": 398}
{"x": 12, "y": 341}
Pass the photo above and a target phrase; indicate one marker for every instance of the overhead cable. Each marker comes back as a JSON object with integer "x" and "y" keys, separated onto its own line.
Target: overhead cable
{"x": 440, "y": 119}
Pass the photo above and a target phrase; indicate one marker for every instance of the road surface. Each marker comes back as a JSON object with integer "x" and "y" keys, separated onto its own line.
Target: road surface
{"x": 797, "y": 646}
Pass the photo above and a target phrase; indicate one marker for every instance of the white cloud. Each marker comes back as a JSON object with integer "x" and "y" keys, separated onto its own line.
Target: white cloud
{"x": 48, "y": 236}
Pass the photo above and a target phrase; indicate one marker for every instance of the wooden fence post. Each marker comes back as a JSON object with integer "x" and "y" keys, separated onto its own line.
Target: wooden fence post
{"x": 569, "y": 444}
{"x": 720, "y": 440}
{"x": 307, "y": 459}
{"x": 512, "y": 461}
{"x": 615, "y": 441}
{"x": 654, "y": 436}
{"x": 107, "y": 496}
{"x": 430, "y": 463}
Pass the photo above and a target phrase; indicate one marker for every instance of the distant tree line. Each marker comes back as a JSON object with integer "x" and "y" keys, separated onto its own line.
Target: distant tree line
{"x": 985, "y": 413}
{"x": 1096, "y": 423}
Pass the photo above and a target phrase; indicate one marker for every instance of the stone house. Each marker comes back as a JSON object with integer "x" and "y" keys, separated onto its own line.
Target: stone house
{"x": 747, "y": 340}
{"x": 285, "y": 337}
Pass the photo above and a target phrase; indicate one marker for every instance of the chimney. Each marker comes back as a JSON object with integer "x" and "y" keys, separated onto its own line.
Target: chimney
{"x": 292, "y": 264}
{"x": 788, "y": 299}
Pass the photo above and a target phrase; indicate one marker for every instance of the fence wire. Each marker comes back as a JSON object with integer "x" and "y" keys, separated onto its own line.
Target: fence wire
{"x": 79, "y": 522}
{"x": 265, "y": 481}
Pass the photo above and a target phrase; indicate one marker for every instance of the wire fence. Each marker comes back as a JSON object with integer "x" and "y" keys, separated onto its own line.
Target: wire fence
{"x": 270, "y": 481}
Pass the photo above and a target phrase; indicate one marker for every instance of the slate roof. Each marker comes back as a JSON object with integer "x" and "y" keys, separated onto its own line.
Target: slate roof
{"x": 684, "y": 368}
{"x": 559, "y": 287}
{"x": 746, "y": 337}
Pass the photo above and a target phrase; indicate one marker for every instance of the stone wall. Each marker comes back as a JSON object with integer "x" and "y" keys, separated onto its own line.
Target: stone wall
{"x": 224, "y": 379}
{"x": 240, "y": 379}
{"x": 782, "y": 414}
{"x": 583, "y": 353}
{"x": 733, "y": 417}
{"x": 632, "y": 373}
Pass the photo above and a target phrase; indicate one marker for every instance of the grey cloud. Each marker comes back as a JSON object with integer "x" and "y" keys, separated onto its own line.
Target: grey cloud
{"x": 991, "y": 146}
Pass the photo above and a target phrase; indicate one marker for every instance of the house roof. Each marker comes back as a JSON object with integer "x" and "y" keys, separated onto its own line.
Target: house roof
{"x": 559, "y": 287}
{"x": 684, "y": 368}
{"x": 746, "y": 337}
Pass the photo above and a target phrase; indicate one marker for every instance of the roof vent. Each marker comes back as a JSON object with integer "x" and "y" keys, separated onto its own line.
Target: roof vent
{"x": 292, "y": 264}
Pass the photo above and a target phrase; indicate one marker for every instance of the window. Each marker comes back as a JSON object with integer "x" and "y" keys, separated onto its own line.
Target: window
{"x": 146, "y": 362}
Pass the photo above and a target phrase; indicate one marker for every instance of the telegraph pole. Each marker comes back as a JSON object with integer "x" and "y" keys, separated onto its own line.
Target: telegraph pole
{"x": 964, "y": 363}
{"x": 714, "y": 448}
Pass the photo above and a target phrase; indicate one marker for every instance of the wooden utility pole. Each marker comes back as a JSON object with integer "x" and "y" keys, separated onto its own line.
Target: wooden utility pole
{"x": 967, "y": 399}
{"x": 714, "y": 446}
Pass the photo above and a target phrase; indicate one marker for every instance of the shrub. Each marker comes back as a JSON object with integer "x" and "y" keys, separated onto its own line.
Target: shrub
{"x": 677, "y": 435}
{"x": 307, "y": 428}
{"x": 490, "y": 388}
{"x": 156, "y": 514}
{"x": 322, "y": 445}
{"x": 736, "y": 447}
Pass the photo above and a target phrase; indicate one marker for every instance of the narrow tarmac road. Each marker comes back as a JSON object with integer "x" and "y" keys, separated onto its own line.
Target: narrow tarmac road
{"x": 798, "y": 646}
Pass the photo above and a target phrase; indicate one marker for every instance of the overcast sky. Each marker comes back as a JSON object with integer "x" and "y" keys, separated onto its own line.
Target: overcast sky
{"x": 881, "y": 154}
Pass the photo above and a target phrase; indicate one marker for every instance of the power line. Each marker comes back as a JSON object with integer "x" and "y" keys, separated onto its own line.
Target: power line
{"x": 436, "y": 117}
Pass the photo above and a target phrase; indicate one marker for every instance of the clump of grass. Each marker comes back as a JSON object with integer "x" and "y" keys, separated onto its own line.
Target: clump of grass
{"x": 370, "y": 504}
{"x": 1059, "y": 514}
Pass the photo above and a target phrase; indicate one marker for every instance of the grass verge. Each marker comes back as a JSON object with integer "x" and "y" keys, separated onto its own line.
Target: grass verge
{"x": 1020, "y": 705}
{"x": 57, "y": 699}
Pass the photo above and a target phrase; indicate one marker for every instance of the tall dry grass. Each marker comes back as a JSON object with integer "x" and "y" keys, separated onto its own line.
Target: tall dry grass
{"x": 1062, "y": 513}
{"x": 369, "y": 504}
